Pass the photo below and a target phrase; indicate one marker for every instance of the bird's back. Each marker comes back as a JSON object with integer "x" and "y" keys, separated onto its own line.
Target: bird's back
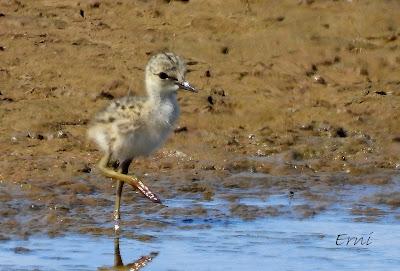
{"x": 133, "y": 126}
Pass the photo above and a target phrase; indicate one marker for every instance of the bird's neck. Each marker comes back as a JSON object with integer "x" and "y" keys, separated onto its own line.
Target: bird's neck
{"x": 157, "y": 95}
{"x": 163, "y": 108}
{"x": 158, "y": 99}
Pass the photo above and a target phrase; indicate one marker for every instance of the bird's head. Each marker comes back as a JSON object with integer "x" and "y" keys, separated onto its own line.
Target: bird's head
{"x": 165, "y": 74}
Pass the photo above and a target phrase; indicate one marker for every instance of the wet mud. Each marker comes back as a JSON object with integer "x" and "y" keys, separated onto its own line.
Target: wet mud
{"x": 298, "y": 110}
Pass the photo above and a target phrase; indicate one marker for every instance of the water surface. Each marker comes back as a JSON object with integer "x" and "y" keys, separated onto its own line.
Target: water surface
{"x": 263, "y": 244}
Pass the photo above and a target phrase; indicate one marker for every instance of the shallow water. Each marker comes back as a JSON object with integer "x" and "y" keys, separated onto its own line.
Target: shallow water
{"x": 275, "y": 243}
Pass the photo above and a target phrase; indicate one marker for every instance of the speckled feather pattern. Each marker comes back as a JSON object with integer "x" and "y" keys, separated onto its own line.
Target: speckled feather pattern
{"x": 136, "y": 126}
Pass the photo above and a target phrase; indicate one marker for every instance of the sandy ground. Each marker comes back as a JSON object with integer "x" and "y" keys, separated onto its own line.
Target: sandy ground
{"x": 304, "y": 93}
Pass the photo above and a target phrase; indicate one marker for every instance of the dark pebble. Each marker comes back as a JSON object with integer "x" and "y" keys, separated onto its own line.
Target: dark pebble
{"x": 33, "y": 135}
{"x": 319, "y": 79}
{"x": 233, "y": 142}
{"x": 6, "y": 99}
{"x": 181, "y": 129}
{"x": 340, "y": 132}
{"x": 210, "y": 100}
{"x": 85, "y": 169}
{"x": 104, "y": 95}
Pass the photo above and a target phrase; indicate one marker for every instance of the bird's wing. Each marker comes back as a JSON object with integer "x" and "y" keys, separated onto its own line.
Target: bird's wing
{"x": 126, "y": 113}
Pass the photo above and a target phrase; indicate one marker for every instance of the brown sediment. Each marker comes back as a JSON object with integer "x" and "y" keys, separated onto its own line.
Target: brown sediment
{"x": 369, "y": 211}
{"x": 307, "y": 210}
{"x": 295, "y": 97}
{"x": 250, "y": 212}
{"x": 391, "y": 199}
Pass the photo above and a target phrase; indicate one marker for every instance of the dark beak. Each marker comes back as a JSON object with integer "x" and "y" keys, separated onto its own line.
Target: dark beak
{"x": 186, "y": 86}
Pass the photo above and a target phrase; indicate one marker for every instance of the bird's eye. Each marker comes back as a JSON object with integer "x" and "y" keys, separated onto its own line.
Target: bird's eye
{"x": 163, "y": 75}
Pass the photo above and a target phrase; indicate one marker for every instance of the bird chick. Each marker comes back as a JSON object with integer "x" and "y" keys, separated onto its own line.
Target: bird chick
{"x": 131, "y": 126}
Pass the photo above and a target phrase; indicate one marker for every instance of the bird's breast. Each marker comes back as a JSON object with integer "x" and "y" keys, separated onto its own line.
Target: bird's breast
{"x": 157, "y": 127}
{"x": 166, "y": 114}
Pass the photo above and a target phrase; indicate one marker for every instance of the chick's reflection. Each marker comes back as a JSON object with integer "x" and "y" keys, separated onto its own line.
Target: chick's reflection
{"x": 134, "y": 266}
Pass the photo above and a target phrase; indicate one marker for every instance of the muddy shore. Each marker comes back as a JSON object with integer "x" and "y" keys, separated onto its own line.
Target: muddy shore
{"x": 297, "y": 97}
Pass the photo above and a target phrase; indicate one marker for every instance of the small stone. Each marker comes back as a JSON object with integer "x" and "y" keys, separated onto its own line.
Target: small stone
{"x": 61, "y": 134}
{"x": 312, "y": 70}
{"x": 233, "y": 141}
{"x": 208, "y": 167}
{"x": 381, "y": 92}
{"x": 104, "y": 95}
{"x": 34, "y": 135}
{"x": 340, "y": 132}
{"x": 7, "y": 99}
{"x": 392, "y": 38}
{"x": 210, "y": 100}
{"x": 181, "y": 129}
{"x": 260, "y": 153}
{"x": 319, "y": 79}
{"x": 85, "y": 169}
{"x": 225, "y": 50}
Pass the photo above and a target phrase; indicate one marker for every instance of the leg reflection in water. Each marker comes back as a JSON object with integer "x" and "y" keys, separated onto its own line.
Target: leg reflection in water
{"x": 134, "y": 266}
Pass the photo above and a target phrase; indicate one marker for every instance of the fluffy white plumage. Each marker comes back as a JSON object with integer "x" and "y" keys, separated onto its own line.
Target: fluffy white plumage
{"x": 136, "y": 126}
